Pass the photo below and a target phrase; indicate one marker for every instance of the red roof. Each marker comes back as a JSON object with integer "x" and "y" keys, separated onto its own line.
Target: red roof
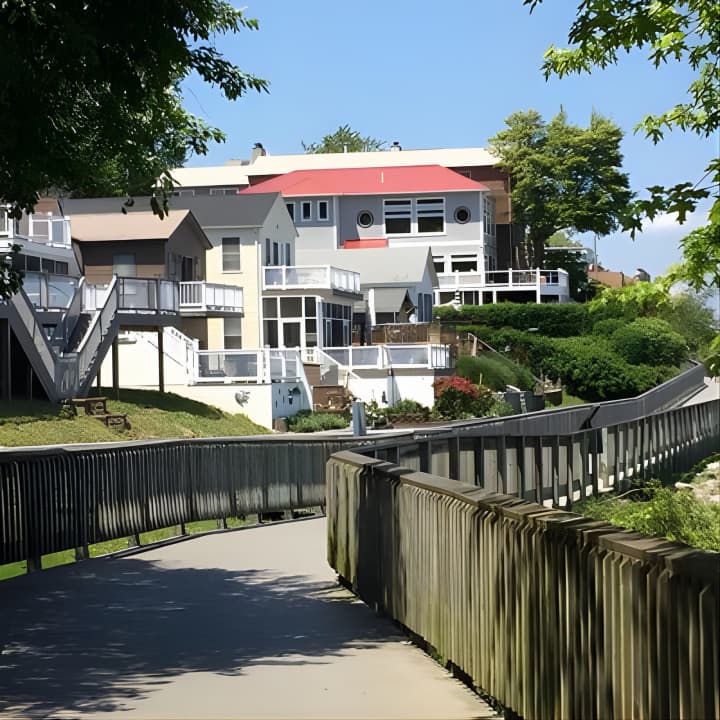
{"x": 360, "y": 243}
{"x": 367, "y": 181}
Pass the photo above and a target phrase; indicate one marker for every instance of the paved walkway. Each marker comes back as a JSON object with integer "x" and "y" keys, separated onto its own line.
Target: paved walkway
{"x": 244, "y": 624}
{"x": 711, "y": 391}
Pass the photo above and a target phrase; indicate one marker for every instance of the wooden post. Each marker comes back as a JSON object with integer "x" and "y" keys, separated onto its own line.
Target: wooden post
{"x": 5, "y": 361}
{"x": 161, "y": 360}
{"x": 116, "y": 367}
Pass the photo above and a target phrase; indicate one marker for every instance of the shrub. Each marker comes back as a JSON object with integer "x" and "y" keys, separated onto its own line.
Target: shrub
{"x": 306, "y": 421}
{"x": 494, "y": 371}
{"x": 553, "y": 320}
{"x": 650, "y": 340}
{"x": 458, "y": 398}
{"x": 407, "y": 409}
{"x": 607, "y": 326}
{"x": 664, "y": 512}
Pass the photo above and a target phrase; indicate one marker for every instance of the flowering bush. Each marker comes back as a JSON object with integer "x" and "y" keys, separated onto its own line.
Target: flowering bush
{"x": 457, "y": 398}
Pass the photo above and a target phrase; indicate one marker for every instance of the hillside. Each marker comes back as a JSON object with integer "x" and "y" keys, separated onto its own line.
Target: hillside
{"x": 152, "y": 415}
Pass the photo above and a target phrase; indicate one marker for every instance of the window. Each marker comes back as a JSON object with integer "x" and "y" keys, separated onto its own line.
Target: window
{"x": 322, "y": 210}
{"x": 61, "y": 267}
{"x": 232, "y": 330}
{"x": 430, "y": 215}
{"x": 489, "y": 216}
{"x": 222, "y": 191}
{"x": 276, "y": 253}
{"x": 184, "y": 193}
{"x": 398, "y": 217}
{"x": 231, "y": 254}
{"x": 291, "y": 210}
{"x": 365, "y": 219}
{"x": 306, "y": 207}
{"x": 439, "y": 263}
{"x": 424, "y": 215}
{"x": 124, "y": 265}
{"x": 286, "y": 260}
{"x": 462, "y": 215}
{"x": 463, "y": 263}
{"x": 268, "y": 251}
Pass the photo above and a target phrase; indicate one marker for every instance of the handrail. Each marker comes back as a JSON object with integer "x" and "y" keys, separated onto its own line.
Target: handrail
{"x": 63, "y": 330}
{"x": 99, "y": 328}
{"x": 26, "y": 320}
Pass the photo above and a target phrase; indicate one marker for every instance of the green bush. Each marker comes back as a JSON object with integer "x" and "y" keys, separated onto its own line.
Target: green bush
{"x": 651, "y": 341}
{"x": 552, "y": 320}
{"x": 306, "y": 422}
{"x": 607, "y": 326}
{"x": 407, "y": 409}
{"x": 494, "y": 371}
{"x": 663, "y": 512}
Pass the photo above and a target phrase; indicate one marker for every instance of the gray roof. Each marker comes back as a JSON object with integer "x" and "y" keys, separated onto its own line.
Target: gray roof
{"x": 399, "y": 267}
{"x": 210, "y": 210}
{"x": 389, "y": 299}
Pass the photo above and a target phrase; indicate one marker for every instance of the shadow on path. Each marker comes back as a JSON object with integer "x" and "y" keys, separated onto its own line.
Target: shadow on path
{"x": 94, "y": 635}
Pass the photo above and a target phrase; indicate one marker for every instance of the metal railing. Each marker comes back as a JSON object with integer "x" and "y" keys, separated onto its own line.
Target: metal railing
{"x": 515, "y": 279}
{"x": 147, "y": 295}
{"x": 50, "y": 291}
{"x": 387, "y": 356}
{"x": 100, "y": 327}
{"x": 63, "y": 330}
{"x": 253, "y": 366}
{"x": 204, "y": 296}
{"x": 295, "y": 277}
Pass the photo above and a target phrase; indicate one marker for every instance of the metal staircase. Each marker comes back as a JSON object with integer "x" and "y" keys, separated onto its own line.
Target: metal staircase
{"x": 67, "y": 362}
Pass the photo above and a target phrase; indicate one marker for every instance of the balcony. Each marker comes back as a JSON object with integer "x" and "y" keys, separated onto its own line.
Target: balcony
{"x": 143, "y": 299}
{"x": 48, "y": 291}
{"x": 203, "y": 299}
{"x": 391, "y": 356}
{"x": 43, "y": 228}
{"x": 310, "y": 277}
{"x": 543, "y": 282}
{"x": 247, "y": 366}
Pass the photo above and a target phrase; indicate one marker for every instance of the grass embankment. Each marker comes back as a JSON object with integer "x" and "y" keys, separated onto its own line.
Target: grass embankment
{"x": 110, "y": 546}
{"x": 152, "y": 415}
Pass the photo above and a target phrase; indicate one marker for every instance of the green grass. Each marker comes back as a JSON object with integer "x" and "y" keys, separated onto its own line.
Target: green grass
{"x": 152, "y": 415}
{"x": 110, "y": 546}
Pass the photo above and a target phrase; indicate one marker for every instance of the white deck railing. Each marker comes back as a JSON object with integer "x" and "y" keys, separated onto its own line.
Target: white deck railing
{"x": 296, "y": 277}
{"x": 252, "y": 366}
{"x": 202, "y": 296}
{"x": 552, "y": 281}
{"x": 391, "y": 356}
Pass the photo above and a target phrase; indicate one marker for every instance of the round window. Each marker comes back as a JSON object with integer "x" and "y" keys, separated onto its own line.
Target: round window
{"x": 365, "y": 218}
{"x": 462, "y": 215}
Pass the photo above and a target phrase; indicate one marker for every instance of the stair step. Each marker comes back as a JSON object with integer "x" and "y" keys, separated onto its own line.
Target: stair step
{"x": 115, "y": 421}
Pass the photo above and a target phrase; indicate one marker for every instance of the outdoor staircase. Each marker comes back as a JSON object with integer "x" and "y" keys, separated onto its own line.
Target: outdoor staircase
{"x": 67, "y": 363}
{"x": 327, "y": 394}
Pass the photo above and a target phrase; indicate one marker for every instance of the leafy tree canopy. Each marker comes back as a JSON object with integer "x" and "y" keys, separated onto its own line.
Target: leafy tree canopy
{"x": 562, "y": 176}
{"x": 91, "y": 92}
{"x": 344, "y": 139}
{"x": 684, "y": 31}
{"x": 562, "y": 239}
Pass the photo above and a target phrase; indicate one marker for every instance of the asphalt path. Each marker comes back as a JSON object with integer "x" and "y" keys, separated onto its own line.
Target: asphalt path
{"x": 240, "y": 624}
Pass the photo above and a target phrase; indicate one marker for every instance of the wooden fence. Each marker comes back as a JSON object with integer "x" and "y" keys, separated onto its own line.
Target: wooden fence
{"x": 554, "y": 615}
{"x": 56, "y": 498}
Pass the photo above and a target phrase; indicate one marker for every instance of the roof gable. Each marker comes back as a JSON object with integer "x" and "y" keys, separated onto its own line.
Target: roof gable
{"x": 367, "y": 181}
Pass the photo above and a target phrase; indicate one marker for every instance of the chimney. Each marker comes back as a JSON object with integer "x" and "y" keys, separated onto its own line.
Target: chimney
{"x": 396, "y": 147}
{"x": 257, "y": 151}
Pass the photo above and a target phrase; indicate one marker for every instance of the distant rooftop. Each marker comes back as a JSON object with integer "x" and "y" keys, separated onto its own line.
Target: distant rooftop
{"x": 367, "y": 181}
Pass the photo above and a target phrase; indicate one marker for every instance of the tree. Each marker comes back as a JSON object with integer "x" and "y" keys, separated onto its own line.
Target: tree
{"x": 562, "y": 176}
{"x": 344, "y": 139}
{"x": 560, "y": 253}
{"x": 684, "y": 31}
{"x": 90, "y": 92}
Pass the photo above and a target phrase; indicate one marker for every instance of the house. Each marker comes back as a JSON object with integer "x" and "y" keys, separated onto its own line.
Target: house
{"x": 397, "y": 283}
{"x": 476, "y": 163}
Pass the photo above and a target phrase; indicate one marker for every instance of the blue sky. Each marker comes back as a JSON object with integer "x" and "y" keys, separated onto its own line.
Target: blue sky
{"x": 444, "y": 75}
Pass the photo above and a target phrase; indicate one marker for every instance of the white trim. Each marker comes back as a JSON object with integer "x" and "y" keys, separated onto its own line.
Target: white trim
{"x": 302, "y": 218}
{"x": 325, "y": 219}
